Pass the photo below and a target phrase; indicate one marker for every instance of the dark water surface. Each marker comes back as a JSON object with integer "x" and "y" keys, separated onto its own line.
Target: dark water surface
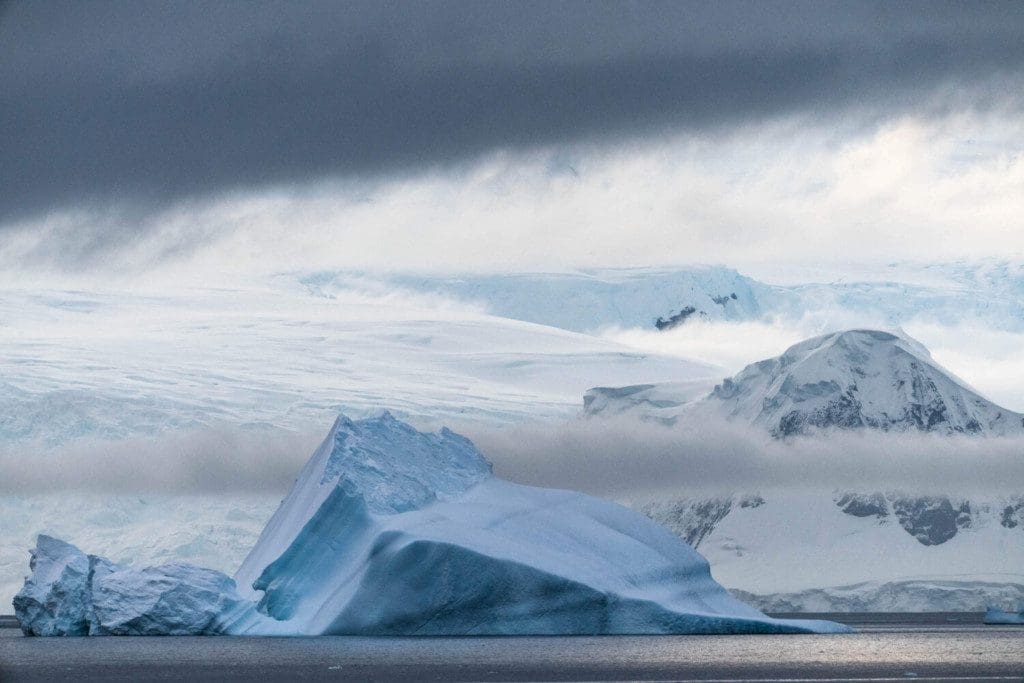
{"x": 888, "y": 647}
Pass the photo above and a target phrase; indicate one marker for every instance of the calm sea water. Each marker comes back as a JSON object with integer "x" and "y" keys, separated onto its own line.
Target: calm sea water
{"x": 887, "y": 647}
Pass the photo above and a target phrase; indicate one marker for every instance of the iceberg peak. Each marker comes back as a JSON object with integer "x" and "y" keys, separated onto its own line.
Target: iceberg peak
{"x": 396, "y": 468}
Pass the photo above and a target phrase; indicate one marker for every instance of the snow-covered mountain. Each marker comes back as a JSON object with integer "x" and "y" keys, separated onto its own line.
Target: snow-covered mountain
{"x": 854, "y": 379}
{"x": 862, "y": 550}
{"x": 844, "y": 380}
{"x": 895, "y": 552}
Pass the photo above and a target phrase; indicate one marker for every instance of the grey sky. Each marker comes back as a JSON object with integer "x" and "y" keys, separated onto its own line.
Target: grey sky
{"x": 136, "y": 105}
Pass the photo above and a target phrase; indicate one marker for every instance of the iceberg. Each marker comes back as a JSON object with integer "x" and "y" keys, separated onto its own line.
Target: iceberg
{"x": 56, "y": 598}
{"x": 73, "y": 594}
{"x": 998, "y": 617}
{"x": 393, "y": 531}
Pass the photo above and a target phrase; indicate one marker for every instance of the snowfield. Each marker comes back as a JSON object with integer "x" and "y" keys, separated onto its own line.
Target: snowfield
{"x": 167, "y": 387}
{"x": 589, "y": 300}
{"x": 392, "y": 531}
{"x": 851, "y": 379}
{"x": 85, "y": 374}
{"x": 111, "y": 365}
{"x": 789, "y": 547}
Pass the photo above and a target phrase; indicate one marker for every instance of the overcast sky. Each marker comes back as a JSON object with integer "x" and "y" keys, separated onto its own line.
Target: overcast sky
{"x": 490, "y": 136}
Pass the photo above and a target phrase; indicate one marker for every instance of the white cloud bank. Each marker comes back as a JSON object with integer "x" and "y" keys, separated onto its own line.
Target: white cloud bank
{"x": 766, "y": 196}
{"x": 626, "y": 459}
{"x": 614, "y": 458}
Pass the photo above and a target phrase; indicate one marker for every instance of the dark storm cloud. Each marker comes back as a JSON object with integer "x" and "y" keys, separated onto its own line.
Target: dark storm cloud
{"x": 137, "y": 103}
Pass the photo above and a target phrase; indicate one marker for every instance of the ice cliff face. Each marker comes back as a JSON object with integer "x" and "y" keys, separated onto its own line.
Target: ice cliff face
{"x": 73, "y": 594}
{"x": 858, "y": 378}
{"x": 391, "y": 531}
{"x": 921, "y": 595}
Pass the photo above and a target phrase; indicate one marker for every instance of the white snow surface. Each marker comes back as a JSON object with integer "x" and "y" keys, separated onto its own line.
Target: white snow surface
{"x": 795, "y": 542}
{"x": 661, "y": 401}
{"x": 586, "y": 300}
{"x": 991, "y": 292}
{"x": 787, "y": 551}
{"x": 113, "y": 365}
{"x": 859, "y": 378}
{"x": 391, "y": 531}
{"x": 849, "y": 379}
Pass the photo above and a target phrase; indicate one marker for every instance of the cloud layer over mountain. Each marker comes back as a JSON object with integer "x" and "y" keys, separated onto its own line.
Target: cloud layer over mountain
{"x": 147, "y": 130}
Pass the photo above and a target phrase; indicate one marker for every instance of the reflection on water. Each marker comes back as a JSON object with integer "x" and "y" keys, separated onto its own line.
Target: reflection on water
{"x": 886, "y": 646}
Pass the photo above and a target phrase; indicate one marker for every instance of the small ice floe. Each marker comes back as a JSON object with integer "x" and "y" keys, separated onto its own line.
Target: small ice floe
{"x": 1002, "y": 617}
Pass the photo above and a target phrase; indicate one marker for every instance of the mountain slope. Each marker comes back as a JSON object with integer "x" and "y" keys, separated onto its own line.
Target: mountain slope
{"x": 869, "y": 550}
{"x": 589, "y": 300}
{"x": 988, "y": 292}
{"x": 858, "y": 378}
{"x": 844, "y": 380}
{"x": 278, "y": 357}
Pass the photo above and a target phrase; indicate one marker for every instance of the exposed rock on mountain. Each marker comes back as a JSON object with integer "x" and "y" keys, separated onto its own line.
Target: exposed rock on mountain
{"x": 858, "y": 379}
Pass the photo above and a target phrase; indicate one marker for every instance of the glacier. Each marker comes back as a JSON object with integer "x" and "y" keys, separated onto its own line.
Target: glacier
{"x": 249, "y": 365}
{"x": 393, "y": 531}
{"x": 587, "y": 300}
{"x": 280, "y": 356}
